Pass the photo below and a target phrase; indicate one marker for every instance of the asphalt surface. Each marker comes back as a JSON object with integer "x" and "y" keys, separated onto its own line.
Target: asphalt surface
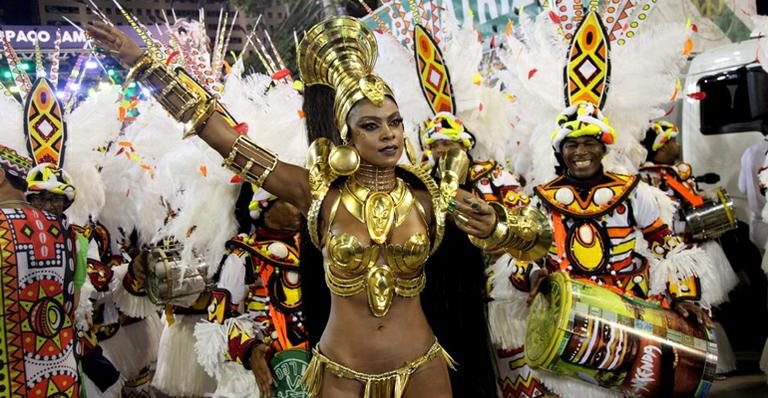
{"x": 741, "y": 386}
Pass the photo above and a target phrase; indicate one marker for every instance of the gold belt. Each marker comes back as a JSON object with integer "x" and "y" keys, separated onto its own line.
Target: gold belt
{"x": 389, "y": 384}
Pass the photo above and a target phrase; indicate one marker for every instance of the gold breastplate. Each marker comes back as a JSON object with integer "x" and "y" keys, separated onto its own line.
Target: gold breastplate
{"x": 381, "y": 269}
{"x": 352, "y": 268}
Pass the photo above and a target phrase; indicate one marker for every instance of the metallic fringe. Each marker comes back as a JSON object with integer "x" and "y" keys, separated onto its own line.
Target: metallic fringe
{"x": 389, "y": 384}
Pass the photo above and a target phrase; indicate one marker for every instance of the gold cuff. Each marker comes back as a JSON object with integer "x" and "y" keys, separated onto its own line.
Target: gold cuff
{"x": 523, "y": 232}
{"x": 453, "y": 166}
{"x": 144, "y": 62}
{"x": 199, "y": 118}
{"x": 184, "y": 104}
{"x": 499, "y": 234}
{"x": 245, "y": 155}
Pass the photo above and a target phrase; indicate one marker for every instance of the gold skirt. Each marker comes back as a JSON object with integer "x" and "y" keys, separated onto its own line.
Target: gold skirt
{"x": 389, "y": 384}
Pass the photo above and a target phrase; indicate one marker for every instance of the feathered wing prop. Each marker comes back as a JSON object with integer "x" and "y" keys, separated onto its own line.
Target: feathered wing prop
{"x": 534, "y": 77}
{"x": 133, "y": 199}
{"x": 196, "y": 179}
{"x": 644, "y": 73}
{"x": 92, "y": 125}
{"x": 273, "y": 112}
{"x": 483, "y": 109}
{"x": 10, "y": 124}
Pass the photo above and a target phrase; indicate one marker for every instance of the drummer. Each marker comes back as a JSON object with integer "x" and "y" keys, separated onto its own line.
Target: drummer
{"x": 595, "y": 214}
{"x": 665, "y": 170}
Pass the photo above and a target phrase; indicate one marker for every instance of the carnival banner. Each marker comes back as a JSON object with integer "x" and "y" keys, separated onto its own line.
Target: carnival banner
{"x": 23, "y": 37}
{"x": 489, "y": 16}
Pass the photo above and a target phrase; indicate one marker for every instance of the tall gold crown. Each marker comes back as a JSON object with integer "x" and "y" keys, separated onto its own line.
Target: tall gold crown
{"x": 340, "y": 53}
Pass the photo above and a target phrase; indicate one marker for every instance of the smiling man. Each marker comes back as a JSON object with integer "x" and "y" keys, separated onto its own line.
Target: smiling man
{"x": 595, "y": 214}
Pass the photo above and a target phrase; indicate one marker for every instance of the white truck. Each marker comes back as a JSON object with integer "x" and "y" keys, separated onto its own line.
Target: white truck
{"x": 724, "y": 111}
{"x": 718, "y": 128}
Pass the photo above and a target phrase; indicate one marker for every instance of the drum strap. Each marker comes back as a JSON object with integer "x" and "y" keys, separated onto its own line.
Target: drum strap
{"x": 687, "y": 195}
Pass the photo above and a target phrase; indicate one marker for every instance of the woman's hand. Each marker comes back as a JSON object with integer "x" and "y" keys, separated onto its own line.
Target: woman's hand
{"x": 260, "y": 369}
{"x": 473, "y": 215}
{"x": 114, "y": 42}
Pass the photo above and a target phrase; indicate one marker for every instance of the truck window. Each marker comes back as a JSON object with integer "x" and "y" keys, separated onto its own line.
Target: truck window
{"x": 736, "y": 101}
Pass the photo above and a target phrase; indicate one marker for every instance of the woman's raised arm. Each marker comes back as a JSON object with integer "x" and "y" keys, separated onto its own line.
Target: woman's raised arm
{"x": 255, "y": 164}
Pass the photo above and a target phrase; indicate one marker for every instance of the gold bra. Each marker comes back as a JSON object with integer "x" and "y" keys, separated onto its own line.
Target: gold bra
{"x": 351, "y": 268}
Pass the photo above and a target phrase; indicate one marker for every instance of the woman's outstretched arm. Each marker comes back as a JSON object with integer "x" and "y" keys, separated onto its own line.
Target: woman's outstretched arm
{"x": 256, "y": 164}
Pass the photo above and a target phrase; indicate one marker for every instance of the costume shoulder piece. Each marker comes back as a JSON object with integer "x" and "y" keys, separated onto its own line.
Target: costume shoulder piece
{"x": 560, "y": 195}
{"x": 681, "y": 171}
{"x": 240, "y": 241}
{"x": 479, "y": 170}
{"x": 434, "y": 192}
{"x": 326, "y": 162}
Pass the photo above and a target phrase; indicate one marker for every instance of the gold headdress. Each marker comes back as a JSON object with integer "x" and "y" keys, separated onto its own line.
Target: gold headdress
{"x": 340, "y": 53}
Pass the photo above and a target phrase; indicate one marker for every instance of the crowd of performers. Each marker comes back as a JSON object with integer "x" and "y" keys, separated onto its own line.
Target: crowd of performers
{"x": 217, "y": 233}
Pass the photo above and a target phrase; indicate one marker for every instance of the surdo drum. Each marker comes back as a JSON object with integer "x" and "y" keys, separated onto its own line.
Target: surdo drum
{"x": 618, "y": 342}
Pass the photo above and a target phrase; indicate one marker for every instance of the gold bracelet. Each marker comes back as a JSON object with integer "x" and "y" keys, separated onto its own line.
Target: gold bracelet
{"x": 200, "y": 117}
{"x": 523, "y": 232}
{"x": 185, "y": 105}
{"x": 250, "y": 155}
{"x": 144, "y": 62}
{"x": 453, "y": 166}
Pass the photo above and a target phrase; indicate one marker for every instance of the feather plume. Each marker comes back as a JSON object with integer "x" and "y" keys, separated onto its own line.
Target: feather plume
{"x": 91, "y": 126}
{"x": 11, "y": 124}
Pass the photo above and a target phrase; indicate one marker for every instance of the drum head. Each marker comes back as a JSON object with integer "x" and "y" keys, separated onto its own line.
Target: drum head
{"x": 548, "y": 321}
{"x": 288, "y": 367}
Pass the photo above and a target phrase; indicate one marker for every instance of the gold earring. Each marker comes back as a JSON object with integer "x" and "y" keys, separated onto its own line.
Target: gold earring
{"x": 344, "y": 160}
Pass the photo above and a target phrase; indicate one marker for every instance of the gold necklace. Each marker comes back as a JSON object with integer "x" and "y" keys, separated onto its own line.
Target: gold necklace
{"x": 377, "y": 179}
{"x": 379, "y": 211}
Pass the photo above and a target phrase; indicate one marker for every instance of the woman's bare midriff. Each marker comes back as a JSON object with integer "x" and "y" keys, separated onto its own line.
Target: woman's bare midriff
{"x": 365, "y": 343}
{"x": 360, "y": 341}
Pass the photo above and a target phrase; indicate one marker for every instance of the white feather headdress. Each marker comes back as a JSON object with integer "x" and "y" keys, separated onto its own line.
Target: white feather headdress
{"x": 643, "y": 75}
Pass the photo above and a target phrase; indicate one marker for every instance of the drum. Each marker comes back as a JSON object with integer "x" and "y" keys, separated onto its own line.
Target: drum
{"x": 618, "y": 342}
{"x": 288, "y": 367}
{"x": 172, "y": 281}
{"x": 713, "y": 218}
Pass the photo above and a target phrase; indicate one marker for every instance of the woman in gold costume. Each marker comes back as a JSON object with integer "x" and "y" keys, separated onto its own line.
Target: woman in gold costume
{"x": 376, "y": 222}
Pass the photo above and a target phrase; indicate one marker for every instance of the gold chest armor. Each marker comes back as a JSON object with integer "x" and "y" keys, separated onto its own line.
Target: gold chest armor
{"x": 352, "y": 268}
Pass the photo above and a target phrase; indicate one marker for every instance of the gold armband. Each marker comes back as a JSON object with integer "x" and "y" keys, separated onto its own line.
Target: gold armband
{"x": 185, "y": 105}
{"x": 523, "y": 232}
{"x": 245, "y": 155}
